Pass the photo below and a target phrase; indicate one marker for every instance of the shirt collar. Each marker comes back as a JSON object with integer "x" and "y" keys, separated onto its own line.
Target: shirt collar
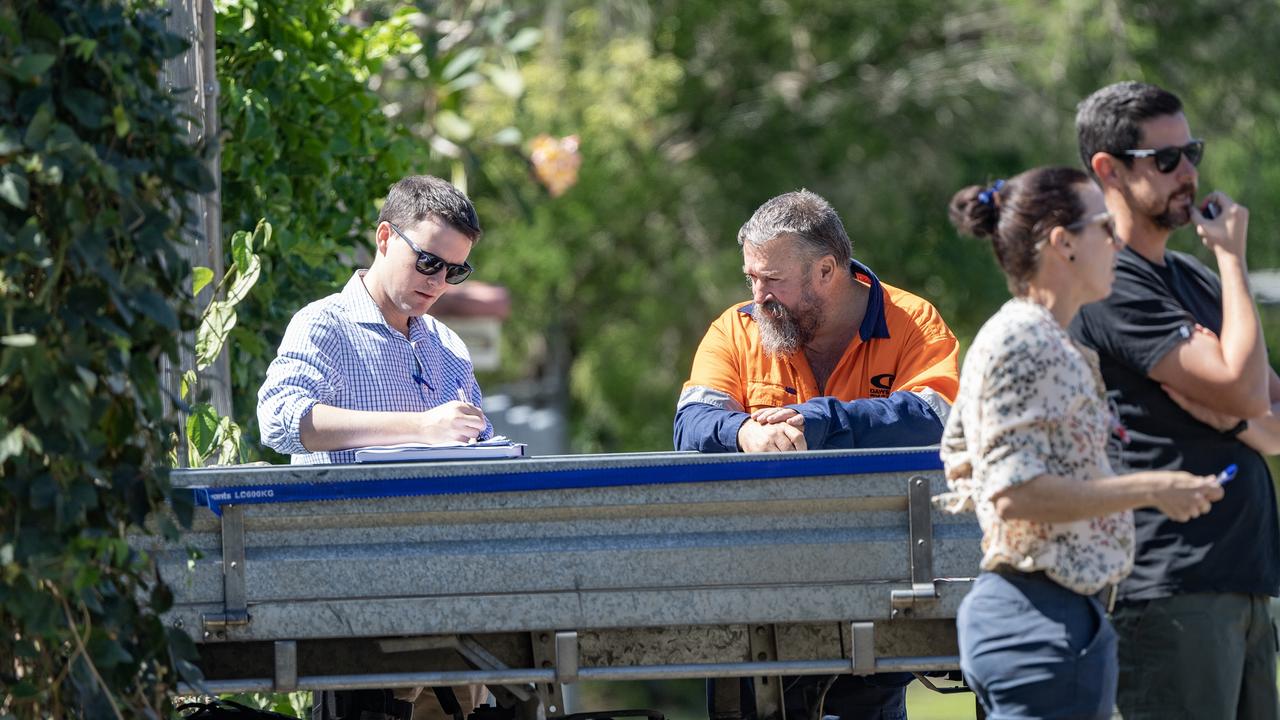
{"x": 362, "y": 310}
{"x": 874, "y": 324}
{"x": 360, "y": 305}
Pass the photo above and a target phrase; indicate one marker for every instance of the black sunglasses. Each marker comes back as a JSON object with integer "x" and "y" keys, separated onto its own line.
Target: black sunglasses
{"x": 1167, "y": 158}
{"x": 430, "y": 263}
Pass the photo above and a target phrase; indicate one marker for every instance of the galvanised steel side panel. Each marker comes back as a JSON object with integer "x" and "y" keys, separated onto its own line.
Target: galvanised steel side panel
{"x": 793, "y": 549}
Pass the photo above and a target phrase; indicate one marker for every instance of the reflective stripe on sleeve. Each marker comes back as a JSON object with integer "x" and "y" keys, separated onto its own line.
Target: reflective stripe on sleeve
{"x": 708, "y": 396}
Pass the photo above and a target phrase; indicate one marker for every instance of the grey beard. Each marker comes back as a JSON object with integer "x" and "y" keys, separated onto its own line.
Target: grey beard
{"x": 781, "y": 332}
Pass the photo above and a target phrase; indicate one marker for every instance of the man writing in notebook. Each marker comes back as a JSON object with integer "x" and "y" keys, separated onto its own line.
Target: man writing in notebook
{"x": 824, "y": 356}
{"x": 368, "y": 365}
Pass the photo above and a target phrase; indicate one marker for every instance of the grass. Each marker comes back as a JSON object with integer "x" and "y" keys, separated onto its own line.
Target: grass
{"x": 925, "y": 704}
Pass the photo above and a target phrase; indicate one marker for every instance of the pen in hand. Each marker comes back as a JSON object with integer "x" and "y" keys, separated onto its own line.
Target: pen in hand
{"x": 1228, "y": 474}
{"x": 462, "y": 398}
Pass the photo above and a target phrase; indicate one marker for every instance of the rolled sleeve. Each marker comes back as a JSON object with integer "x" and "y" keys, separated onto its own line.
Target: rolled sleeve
{"x": 303, "y": 375}
{"x": 1020, "y": 458}
{"x": 1019, "y": 406}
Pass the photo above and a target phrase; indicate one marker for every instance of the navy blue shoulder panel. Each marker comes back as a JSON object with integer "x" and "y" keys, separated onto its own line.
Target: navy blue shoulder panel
{"x": 874, "y": 324}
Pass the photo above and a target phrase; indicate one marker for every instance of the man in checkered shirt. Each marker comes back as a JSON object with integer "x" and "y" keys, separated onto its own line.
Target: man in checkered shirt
{"x": 368, "y": 366}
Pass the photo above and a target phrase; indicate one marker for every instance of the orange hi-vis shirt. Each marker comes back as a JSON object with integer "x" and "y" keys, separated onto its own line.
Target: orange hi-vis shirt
{"x": 903, "y": 356}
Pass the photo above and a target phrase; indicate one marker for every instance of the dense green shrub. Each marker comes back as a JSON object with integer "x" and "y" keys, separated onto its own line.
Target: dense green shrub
{"x": 308, "y": 148}
{"x": 93, "y": 162}
{"x": 323, "y": 107}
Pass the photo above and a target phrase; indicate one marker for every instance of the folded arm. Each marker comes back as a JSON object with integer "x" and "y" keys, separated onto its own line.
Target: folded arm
{"x": 1227, "y": 372}
{"x": 1263, "y": 432}
{"x": 706, "y": 427}
{"x": 913, "y": 414}
{"x": 1260, "y": 433}
{"x": 904, "y": 419}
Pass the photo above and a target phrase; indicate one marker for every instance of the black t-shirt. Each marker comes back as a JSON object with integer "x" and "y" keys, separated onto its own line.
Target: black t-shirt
{"x": 1236, "y": 546}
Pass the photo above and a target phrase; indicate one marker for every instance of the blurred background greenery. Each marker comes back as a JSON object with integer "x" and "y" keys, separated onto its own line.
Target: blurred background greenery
{"x": 614, "y": 147}
{"x": 687, "y": 115}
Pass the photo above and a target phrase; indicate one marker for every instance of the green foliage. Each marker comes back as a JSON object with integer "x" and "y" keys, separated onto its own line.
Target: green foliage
{"x": 306, "y": 147}
{"x": 296, "y": 704}
{"x": 693, "y": 113}
{"x": 208, "y": 433}
{"x": 883, "y": 110}
{"x": 1206, "y": 55}
{"x": 93, "y": 163}
{"x": 312, "y": 148}
{"x": 690, "y": 117}
{"x": 596, "y": 272}
{"x": 889, "y": 110}
{"x": 462, "y": 49}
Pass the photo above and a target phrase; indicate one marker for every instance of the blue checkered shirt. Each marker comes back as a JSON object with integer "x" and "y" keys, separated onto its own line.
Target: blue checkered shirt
{"x": 341, "y": 352}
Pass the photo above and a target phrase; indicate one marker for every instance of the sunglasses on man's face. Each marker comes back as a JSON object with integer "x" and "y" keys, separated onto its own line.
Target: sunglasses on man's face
{"x": 1167, "y": 158}
{"x": 430, "y": 263}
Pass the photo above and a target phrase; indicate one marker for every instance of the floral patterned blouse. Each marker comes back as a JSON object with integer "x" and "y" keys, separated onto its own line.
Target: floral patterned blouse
{"x": 1032, "y": 403}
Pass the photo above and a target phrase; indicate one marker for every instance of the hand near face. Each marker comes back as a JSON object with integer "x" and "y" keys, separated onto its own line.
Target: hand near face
{"x": 1229, "y": 230}
{"x": 779, "y": 436}
{"x": 453, "y": 421}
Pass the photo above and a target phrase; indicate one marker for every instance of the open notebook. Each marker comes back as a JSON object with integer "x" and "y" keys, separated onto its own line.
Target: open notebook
{"x": 493, "y": 448}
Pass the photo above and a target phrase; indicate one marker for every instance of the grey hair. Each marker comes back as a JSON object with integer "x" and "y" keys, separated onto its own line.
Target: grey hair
{"x": 806, "y": 216}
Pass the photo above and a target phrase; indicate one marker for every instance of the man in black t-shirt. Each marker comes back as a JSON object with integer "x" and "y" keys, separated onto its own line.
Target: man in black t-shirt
{"x": 1182, "y": 354}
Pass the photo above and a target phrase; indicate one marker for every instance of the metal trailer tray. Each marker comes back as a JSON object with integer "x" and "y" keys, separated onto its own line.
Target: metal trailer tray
{"x": 552, "y": 570}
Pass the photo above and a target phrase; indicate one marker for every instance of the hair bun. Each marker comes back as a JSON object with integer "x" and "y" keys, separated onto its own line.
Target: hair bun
{"x": 975, "y": 211}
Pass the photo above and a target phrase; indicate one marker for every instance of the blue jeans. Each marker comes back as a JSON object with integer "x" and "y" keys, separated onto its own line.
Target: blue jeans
{"x": 850, "y": 697}
{"x": 1031, "y": 648}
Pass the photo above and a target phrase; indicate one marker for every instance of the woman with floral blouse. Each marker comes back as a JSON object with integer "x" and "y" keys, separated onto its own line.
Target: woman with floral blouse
{"x": 1025, "y": 447}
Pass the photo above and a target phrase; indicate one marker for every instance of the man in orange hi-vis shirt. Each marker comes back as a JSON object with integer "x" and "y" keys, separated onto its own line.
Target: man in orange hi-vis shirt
{"x": 824, "y": 356}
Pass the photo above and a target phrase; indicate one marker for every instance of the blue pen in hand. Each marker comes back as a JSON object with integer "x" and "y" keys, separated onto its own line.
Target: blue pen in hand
{"x": 1228, "y": 474}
